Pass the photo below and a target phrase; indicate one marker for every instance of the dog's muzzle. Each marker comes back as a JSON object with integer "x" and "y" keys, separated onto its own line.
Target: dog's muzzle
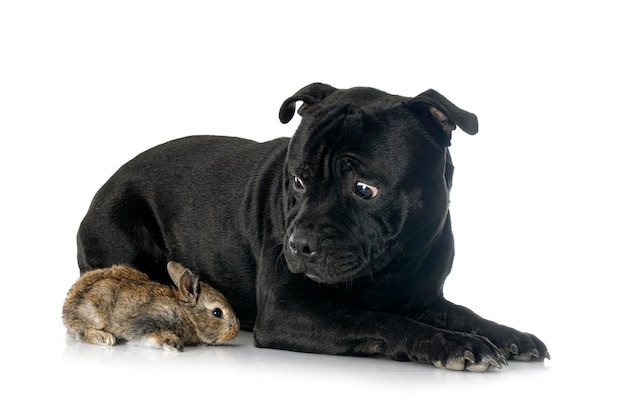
{"x": 325, "y": 260}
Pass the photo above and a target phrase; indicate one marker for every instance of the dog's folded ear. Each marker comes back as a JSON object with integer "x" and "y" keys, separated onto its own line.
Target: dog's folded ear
{"x": 309, "y": 95}
{"x": 441, "y": 115}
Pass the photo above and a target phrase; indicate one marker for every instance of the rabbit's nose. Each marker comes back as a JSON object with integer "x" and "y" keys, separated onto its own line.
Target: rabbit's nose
{"x": 233, "y": 330}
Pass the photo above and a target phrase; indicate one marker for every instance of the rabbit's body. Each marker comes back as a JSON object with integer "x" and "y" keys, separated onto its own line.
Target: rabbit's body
{"x": 119, "y": 302}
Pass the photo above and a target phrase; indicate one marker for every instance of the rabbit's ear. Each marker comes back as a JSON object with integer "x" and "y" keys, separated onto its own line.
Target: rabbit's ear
{"x": 175, "y": 270}
{"x": 188, "y": 286}
{"x": 185, "y": 281}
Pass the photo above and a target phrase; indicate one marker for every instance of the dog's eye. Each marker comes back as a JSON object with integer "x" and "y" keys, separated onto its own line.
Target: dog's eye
{"x": 217, "y": 312}
{"x": 365, "y": 191}
{"x": 298, "y": 184}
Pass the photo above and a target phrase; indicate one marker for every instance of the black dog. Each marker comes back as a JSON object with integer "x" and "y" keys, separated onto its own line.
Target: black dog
{"x": 335, "y": 241}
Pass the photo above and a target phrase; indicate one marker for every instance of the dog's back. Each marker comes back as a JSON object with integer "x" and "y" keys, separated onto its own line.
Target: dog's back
{"x": 196, "y": 186}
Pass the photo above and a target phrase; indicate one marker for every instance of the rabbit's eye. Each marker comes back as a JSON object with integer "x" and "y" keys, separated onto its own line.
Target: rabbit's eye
{"x": 217, "y": 312}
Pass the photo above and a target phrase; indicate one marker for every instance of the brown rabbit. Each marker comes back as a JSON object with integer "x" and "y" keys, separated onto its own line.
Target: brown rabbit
{"x": 119, "y": 302}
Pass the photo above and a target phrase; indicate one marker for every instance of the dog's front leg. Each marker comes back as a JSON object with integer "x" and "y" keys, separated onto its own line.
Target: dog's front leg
{"x": 511, "y": 342}
{"x": 296, "y": 314}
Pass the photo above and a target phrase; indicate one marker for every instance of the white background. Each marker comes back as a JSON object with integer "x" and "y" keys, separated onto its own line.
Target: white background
{"x": 538, "y": 199}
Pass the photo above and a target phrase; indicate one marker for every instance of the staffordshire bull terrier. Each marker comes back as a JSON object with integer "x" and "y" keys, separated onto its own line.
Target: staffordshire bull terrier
{"x": 336, "y": 241}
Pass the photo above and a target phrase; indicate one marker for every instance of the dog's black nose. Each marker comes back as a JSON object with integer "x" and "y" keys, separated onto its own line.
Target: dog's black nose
{"x": 304, "y": 243}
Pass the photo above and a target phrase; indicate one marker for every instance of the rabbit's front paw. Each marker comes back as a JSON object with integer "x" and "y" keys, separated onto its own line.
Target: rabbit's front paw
{"x": 166, "y": 341}
{"x": 100, "y": 337}
{"x": 175, "y": 345}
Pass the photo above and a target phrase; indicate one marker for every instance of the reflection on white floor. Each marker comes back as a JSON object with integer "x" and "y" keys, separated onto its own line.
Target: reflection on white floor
{"x": 78, "y": 378}
{"x": 56, "y": 375}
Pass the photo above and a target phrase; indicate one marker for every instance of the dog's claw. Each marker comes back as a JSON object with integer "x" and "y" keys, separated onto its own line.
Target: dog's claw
{"x": 472, "y": 362}
{"x": 486, "y": 363}
{"x": 500, "y": 361}
{"x": 526, "y": 357}
{"x": 493, "y": 362}
{"x": 514, "y": 349}
{"x": 469, "y": 356}
{"x": 503, "y": 360}
{"x": 466, "y": 362}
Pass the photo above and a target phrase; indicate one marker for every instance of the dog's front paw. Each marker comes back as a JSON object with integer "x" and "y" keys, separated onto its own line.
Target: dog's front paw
{"x": 516, "y": 345}
{"x": 526, "y": 348}
{"x": 457, "y": 351}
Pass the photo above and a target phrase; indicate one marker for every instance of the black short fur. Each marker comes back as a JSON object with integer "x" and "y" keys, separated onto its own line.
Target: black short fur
{"x": 336, "y": 241}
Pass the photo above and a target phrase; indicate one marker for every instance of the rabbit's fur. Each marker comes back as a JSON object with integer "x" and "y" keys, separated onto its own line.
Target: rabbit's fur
{"x": 121, "y": 303}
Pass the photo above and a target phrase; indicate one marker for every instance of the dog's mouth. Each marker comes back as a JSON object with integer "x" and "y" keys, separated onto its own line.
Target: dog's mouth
{"x": 325, "y": 275}
{"x": 328, "y": 266}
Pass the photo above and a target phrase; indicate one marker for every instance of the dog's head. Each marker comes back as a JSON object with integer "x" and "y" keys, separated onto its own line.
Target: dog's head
{"x": 366, "y": 179}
